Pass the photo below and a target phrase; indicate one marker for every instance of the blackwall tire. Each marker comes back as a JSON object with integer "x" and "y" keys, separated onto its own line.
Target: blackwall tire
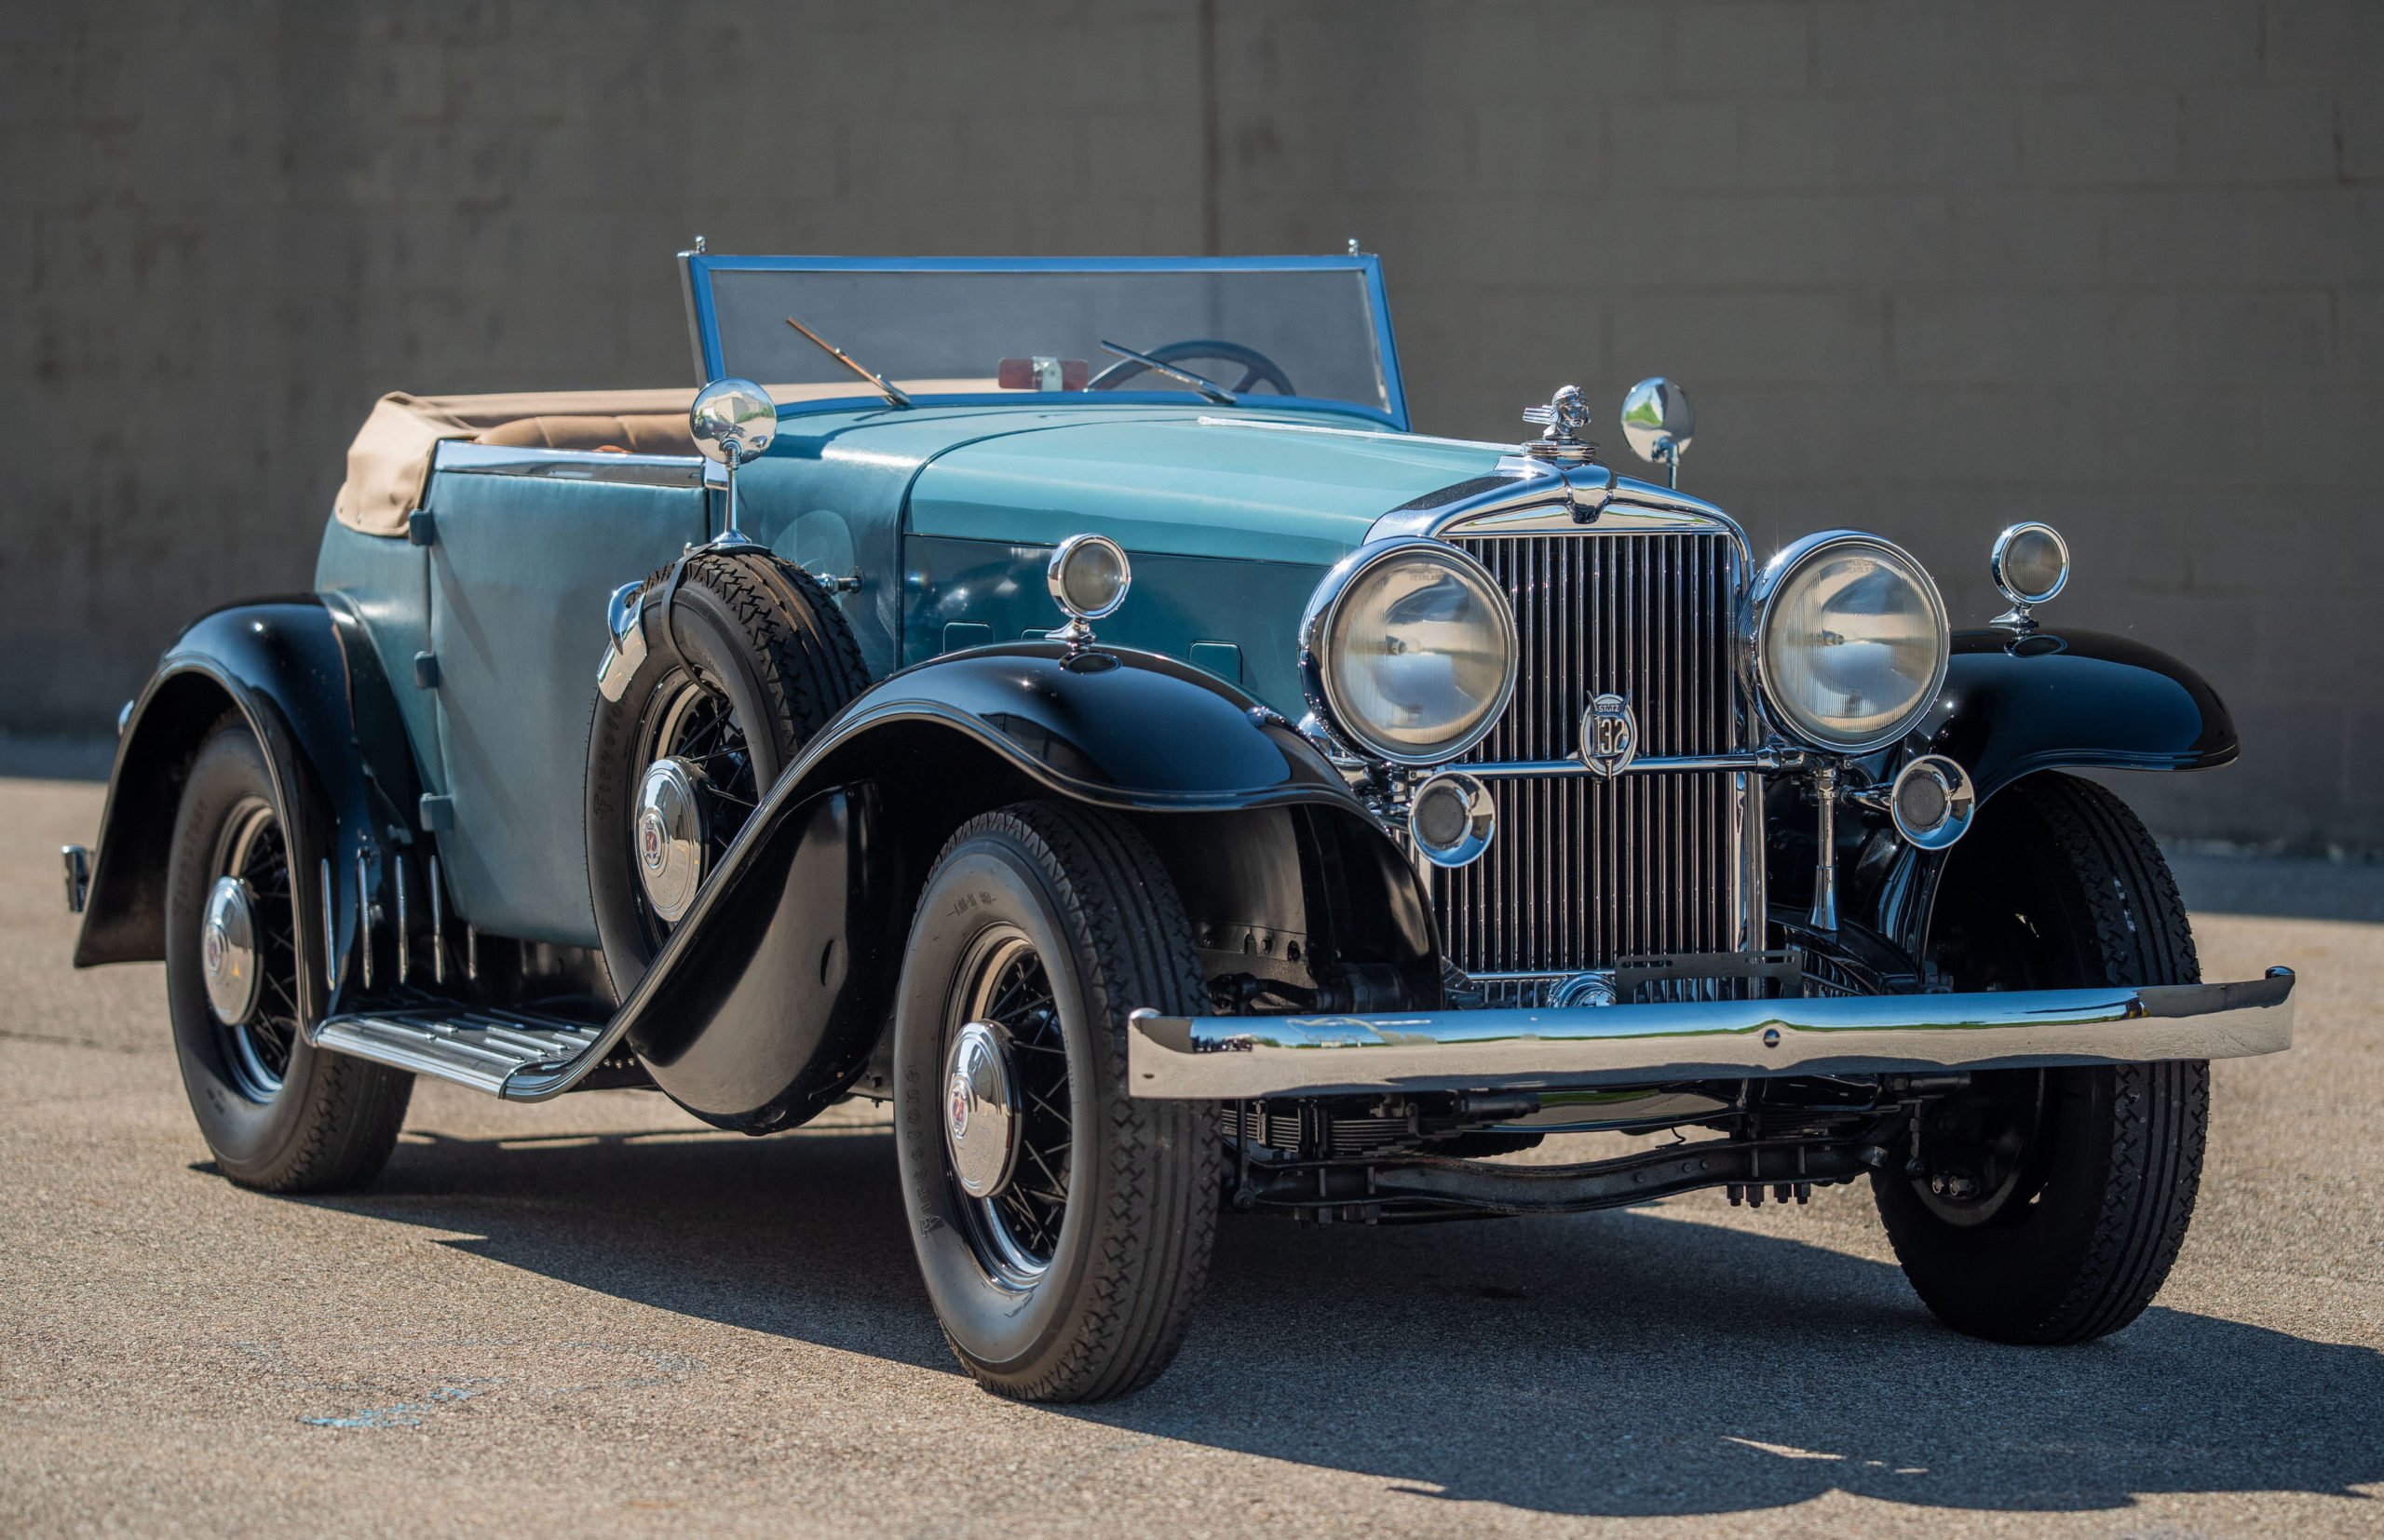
{"x": 763, "y": 643}
{"x": 1093, "y": 1299}
{"x": 277, "y": 1114}
{"x": 2058, "y": 885}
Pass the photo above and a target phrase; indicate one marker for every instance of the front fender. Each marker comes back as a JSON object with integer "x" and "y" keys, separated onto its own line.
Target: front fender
{"x": 306, "y": 683}
{"x": 817, "y": 889}
{"x": 2083, "y": 700}
{"x": 1127, "y": 730}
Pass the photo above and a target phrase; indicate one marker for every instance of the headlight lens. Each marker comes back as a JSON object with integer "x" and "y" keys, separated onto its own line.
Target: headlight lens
{"x": 1409, "y": 651}
{"x": 1850, "y": 641}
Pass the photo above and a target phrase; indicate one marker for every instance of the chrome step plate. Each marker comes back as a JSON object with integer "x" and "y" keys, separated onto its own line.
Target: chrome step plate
{"x": 479, "y": 1049}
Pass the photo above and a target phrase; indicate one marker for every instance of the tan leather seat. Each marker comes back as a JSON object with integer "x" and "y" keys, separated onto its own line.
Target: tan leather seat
{"x": 628, "y": 435}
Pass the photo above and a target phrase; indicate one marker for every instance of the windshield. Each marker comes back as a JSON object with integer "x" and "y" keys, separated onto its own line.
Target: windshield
{"x": 1253, "y": 328}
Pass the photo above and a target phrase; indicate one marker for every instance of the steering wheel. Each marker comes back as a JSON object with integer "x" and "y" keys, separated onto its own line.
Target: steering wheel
{"x": 1256, "y": 367}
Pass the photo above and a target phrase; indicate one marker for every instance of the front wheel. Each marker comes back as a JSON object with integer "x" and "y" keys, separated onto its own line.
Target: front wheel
{"x": 1064, "y": 1228}
{"x": 2046, "y": 1206}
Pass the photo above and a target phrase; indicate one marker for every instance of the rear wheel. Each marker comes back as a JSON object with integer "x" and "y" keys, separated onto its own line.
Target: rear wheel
{"x": 2048, "y": 1205}
{"x": 1063, "y": 1227}
{"x": 277, "y": 1113}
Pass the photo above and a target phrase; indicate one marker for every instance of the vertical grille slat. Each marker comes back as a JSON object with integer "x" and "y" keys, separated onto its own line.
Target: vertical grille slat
{"x": 1583, "y": 871}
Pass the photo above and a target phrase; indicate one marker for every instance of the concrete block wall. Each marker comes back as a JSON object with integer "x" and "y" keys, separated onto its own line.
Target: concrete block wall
{"x": 1928, "y": 267}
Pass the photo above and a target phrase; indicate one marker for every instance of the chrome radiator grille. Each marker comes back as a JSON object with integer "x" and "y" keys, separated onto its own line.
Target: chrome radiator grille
{"x": 1584, "y": 871}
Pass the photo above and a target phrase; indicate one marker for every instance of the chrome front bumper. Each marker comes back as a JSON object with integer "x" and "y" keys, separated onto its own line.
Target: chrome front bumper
{"x": 1233, "y": 1057}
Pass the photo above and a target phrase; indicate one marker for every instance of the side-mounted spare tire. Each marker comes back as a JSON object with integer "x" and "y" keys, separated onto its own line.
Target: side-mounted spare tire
{"x": 745, "y": 659}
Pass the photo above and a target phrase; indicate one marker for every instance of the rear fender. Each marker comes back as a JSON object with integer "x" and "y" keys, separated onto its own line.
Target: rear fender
{"x": 303, "y": 678}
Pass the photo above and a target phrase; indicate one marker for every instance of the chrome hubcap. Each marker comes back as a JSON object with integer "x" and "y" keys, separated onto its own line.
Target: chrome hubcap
{"x": 669, "y": 832}
{"x": 227, "y": 952}
{"x": 248, "y": 951}
{"x": 1008, "y": 1129}
{"x": 980, "y": 1111}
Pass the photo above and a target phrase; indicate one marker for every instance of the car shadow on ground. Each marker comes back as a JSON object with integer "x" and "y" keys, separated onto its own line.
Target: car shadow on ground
{"x": 1609, "y": 1364}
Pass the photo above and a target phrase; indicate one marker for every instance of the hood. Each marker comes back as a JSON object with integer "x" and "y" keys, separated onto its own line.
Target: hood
{"x": 1183, "y": 485}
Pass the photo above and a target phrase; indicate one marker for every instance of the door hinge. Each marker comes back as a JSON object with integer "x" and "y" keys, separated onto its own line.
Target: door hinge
{"x": 421, "y": 527}
{"x": 437, "y": 813}
{"x": 426, "y": 670}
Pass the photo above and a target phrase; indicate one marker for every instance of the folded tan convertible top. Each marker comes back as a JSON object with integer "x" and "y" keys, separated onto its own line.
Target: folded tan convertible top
{"x": 388, "y": 465}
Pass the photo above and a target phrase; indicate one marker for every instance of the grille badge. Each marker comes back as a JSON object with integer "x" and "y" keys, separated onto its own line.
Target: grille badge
{"x": 1609, "y": 736}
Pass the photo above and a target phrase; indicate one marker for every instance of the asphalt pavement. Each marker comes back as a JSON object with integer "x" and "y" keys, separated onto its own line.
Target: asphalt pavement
{"x": 596, "y": 1317}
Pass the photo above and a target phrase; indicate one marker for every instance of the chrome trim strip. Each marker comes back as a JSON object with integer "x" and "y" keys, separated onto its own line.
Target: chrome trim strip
{"x": 461, "y": 457}
{"x": 331, "y": 939}
{"x": 1768, "y": 760}
{"x": 1391, "y": 435}
{"x": 1205, "y": 1058}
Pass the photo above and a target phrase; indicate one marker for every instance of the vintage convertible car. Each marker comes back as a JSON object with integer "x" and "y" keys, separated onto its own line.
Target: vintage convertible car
{"x": 1086, "y": 716}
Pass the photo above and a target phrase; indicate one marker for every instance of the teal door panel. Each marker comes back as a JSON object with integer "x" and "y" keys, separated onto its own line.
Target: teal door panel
{"x": 519, "y": 576}
{"x": 388, "y": 581}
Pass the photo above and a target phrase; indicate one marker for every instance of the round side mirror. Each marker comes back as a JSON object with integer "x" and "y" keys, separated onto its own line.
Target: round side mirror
{"x": 1659, "y": 421}
{"x": 732, "y": 421}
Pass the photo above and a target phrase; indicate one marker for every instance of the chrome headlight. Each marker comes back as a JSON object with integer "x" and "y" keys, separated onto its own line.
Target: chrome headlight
{"x": 1407, "y": 650}
{"x": 1849, "y": 640}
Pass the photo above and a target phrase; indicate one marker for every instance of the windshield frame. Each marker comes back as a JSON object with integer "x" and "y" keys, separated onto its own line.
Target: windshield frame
{"x": 698, "y": 267}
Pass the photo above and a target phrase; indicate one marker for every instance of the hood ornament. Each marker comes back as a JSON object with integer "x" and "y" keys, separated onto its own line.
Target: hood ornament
{"x": 1566, "y": 415}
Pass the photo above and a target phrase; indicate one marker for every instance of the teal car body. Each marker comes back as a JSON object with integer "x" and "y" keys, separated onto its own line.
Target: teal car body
{"x": 471, "y": 608}
{"x": 1171, "y": 783}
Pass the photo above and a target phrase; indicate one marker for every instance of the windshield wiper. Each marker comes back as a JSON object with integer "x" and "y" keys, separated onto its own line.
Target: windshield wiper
{"x": 1210, "y": 388}
{"x": 885, "y": 385}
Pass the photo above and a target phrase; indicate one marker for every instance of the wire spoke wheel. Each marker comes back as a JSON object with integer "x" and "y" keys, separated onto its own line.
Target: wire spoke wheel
{"x": 691, "y": 721}
{"x": 250, "y": 851}
{"x": 1063, "y": 1226}
{"x": 1003, "y": 983}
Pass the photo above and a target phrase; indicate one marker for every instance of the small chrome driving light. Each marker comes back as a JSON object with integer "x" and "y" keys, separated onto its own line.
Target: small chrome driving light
{"x": 1088, "y": 576}
{"x": 2031, "y": 563}
{"x": 1933, "y": 801}
{"x": 1452, "y": 820}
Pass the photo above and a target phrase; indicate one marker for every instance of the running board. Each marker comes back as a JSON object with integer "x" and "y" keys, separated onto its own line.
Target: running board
{"x": 489, "y": 1051}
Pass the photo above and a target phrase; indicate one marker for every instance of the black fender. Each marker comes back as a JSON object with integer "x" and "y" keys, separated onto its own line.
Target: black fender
{"x": 2015, "y": 704}
{"x": 302, "y": 676}
{"x": 769, "y": 998}
{"x": 2076, "y": 700}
